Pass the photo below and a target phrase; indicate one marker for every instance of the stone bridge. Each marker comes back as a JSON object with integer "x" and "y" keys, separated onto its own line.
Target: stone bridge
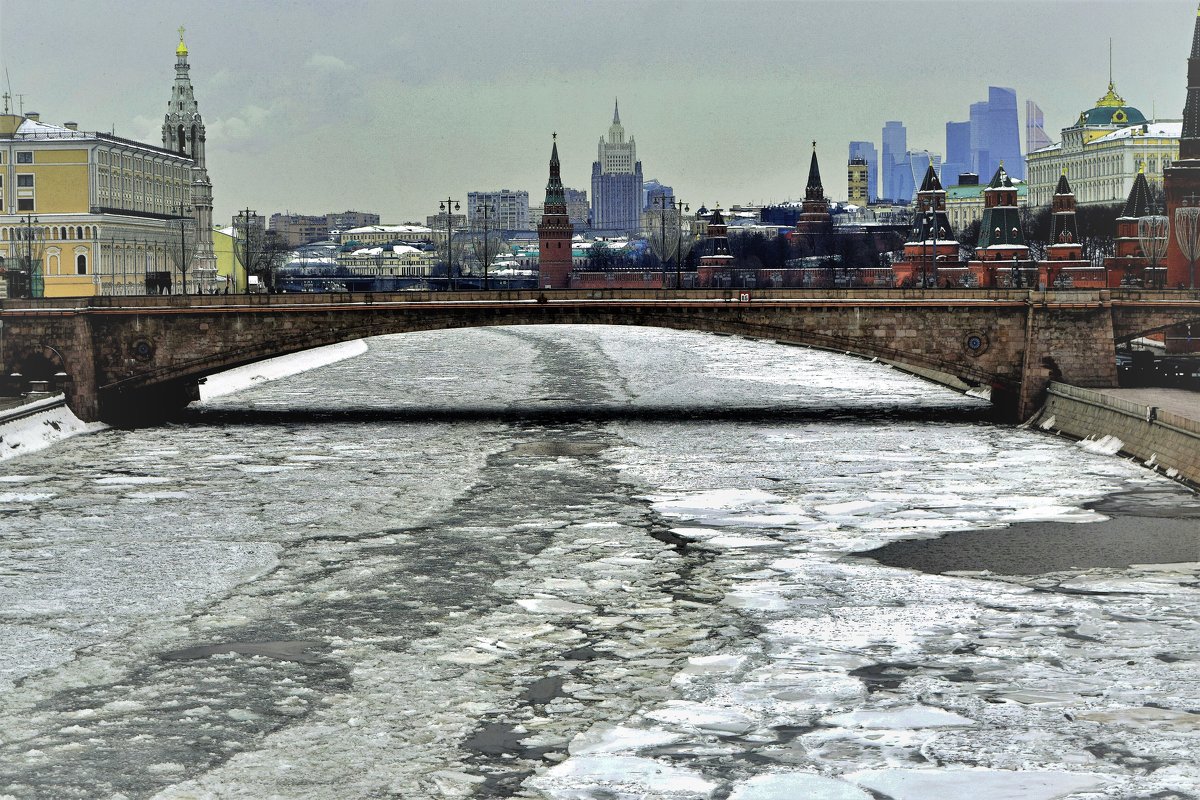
{"x": 136, "y": 359}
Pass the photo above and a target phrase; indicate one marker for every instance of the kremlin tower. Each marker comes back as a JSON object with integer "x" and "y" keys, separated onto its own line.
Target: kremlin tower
{"x": 720, "y": 260}
{"x": 1181, "y": 180}
{"x": 814, "y": 213}
{"x": 931, "y": 243}
{"x": 1128, "y": 261}
{"x": 554, "y": 232}
{"x": 1064, "y": 252}
{"x": 1001, "y": 248}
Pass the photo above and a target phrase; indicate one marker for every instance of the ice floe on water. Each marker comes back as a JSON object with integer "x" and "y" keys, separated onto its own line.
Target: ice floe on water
{"x": 624, "y": 610}
{"x": 915, "y": 784}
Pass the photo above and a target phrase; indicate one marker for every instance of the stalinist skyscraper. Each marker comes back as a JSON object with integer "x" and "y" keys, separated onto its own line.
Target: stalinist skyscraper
{"x": 183, "y": 132}
{"x": 616, "y": 182}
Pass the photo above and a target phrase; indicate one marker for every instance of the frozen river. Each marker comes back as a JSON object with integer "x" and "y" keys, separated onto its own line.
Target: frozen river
{"x": 595, "y": 563}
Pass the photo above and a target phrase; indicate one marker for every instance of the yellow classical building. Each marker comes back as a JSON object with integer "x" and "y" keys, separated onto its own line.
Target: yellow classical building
{"x": 95, "y": 213}
{"x": 92, "y": 213}
{"x": 1102, "y": 153}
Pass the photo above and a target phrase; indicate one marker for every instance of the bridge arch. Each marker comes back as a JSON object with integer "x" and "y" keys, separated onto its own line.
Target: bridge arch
{"x": 138, "y": 355}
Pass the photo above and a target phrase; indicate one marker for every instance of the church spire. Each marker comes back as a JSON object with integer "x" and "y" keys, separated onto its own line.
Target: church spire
{"x": 1189, "y": 140}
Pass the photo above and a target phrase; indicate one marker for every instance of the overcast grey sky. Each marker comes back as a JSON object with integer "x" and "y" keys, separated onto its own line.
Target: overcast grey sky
{"x": 390, "y": 106}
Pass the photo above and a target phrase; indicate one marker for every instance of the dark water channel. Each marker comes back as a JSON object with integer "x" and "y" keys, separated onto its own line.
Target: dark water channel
{"x": 1155, "y": 525}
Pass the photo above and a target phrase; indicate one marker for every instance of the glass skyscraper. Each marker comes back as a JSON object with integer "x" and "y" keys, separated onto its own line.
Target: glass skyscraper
{"x": 894, "y": 171}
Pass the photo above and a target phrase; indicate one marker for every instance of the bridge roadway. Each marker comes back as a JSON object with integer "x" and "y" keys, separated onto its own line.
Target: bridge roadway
{"x": 134, "y": 359}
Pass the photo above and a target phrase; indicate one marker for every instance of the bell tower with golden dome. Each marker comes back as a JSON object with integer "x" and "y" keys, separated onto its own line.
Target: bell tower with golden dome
{"x": 183, "y": 133}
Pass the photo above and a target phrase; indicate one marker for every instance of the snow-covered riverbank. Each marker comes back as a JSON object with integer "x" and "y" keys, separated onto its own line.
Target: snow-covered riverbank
{"x": 54, "y": 422}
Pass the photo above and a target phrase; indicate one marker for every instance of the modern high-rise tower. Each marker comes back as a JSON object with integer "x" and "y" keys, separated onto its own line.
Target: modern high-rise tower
{"x": 958, "y": 152}
{"x": 1035, "y": 129}
{"x": 183, "y": 133}
{"x": 995, "y": 135}
{"x": 616, "y": 182}
{"x": 894, "y": 176}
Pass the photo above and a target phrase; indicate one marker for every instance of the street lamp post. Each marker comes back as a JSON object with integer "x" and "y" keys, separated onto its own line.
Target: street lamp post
{"x": 449, "y": 207}
{"x": 485, "y": 209}
{"x": 1187, "y": 234}
{"x": 181, "y": 210}
{"x": 246, "y": 216}
{"x": 931, "y": 221}
{"x": 680, "y": 208}
{"x": 32, "y": 272}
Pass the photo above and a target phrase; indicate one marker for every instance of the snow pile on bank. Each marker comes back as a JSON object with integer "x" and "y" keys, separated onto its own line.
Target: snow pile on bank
{"x": 38, "y": 431}
{"x": 235, "y": 380}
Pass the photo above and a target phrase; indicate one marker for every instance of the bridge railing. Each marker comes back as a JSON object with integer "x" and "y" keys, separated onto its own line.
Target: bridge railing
{"x": 731, "y": 294}
{"x": 1152, "y": 414}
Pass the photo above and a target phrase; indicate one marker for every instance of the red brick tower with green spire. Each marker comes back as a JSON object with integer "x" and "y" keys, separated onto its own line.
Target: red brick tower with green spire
{"x": 554, "y": 232}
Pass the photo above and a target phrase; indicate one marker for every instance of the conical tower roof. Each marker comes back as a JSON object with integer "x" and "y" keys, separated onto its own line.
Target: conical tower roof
{"x": 1063, "y": 186}
{"x": 814, "y": 190}
{"x": 1189, "y": 139}
{"x": 556, "y": 198}
{"x": 1000, "y": 180}
{"x": 931, "y": 183}
{"x": 1138, "y": 203}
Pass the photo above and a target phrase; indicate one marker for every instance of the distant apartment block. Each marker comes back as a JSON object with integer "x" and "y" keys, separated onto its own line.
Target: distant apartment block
{"x": 654, "y": 193}
{"x": 506, "y": 210}
{"x": 345, "y": 220}
{"x": 867, "y": 152}
{"x": 297, "y": 229}
{"x": 438, "y": 222}
{"x": 856, "y": 181}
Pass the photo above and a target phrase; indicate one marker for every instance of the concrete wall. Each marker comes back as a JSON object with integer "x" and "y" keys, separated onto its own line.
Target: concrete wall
{"x": 1165, "y": 441}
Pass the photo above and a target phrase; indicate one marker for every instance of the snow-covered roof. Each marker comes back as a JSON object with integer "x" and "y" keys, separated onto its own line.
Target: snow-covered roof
{"x": 32, "y": 129}
{"x": 1164, "y": 129}
{"x": 388, "y": 229}
{"x": 1048, "y": 148}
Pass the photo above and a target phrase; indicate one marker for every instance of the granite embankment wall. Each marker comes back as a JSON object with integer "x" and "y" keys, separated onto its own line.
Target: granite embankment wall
{"x": 1163, "y": 440}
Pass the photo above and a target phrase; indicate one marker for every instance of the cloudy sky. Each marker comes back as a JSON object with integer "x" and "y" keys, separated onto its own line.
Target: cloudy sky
{"x": 391, "y": 106}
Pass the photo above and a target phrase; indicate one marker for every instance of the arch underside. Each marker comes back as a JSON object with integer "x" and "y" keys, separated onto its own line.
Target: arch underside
{"x": 381, "y": 323}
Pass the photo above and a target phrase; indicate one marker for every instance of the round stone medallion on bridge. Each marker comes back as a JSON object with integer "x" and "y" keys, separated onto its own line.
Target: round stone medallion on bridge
{"x": 143, "y": 350}
{"x": 975, "y": 343}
